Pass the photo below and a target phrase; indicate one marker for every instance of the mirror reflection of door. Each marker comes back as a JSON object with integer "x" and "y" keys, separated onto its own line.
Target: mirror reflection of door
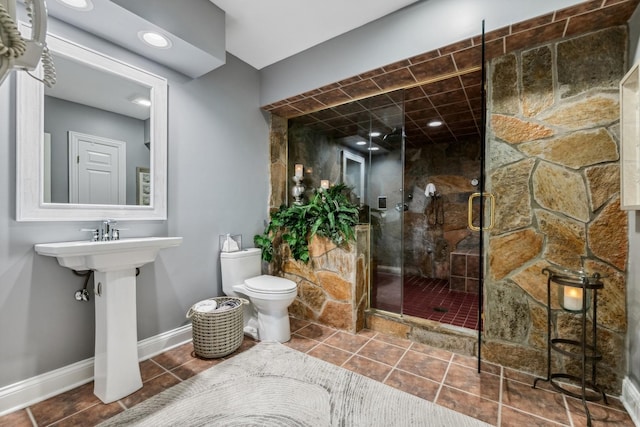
{"x": 97, "y": 173}
{"x": 353, "y": 174}
{"x": 93, "y": 101}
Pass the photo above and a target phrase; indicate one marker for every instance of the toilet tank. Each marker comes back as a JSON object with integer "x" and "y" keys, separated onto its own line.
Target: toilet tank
{"x": 240, "y": 265}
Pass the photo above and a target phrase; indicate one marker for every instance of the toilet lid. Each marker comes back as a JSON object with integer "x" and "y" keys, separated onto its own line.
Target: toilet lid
{"x": 270, "y": 284}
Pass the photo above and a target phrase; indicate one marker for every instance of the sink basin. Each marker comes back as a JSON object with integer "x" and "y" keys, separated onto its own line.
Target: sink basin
{"x": 109, "y": 255}
{"x": 114, "y": 263}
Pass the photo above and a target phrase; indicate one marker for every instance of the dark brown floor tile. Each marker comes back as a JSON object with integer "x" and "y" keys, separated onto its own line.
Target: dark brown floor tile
{"x": 538, "y": 402}
{"x": 382, "y": 352}
{"x": 300, "y": 343}
{"x": 368, "y": 368}
{"x": 601, "y": 416}
{"x": 467, "y": 379}
{"x": 368, "y": 333}
{"x": 295, "y": 324}
{"x": 432, "y": 351}
{"x": 418, "y": 386}
{"x": 528, "y": 379}
{"x": 510, "y": 417}
{"x": 150, "y": 389}
{"x": 175, "y": 357}
{"x": 64, "y": 405}
{"x": 397, "y": 341}
{"x": 16, "y": 419}
{"x": 612, "y": 402}
{"x": 194, "y": 367}
{"x": 316, "y": 332}
{"x": 472, "y": 362}
{"x": 468, "y": 404}
{"x": 330, "y": 354}
{"x": 91, "y": 416}
{"x": 149, "y": 369}
{"x": 347, "y": 341}
{"x": 423, "y": 365}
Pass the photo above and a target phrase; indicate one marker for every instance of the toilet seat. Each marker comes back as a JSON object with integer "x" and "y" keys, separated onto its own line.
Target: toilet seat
{"x": 266, "y": 284}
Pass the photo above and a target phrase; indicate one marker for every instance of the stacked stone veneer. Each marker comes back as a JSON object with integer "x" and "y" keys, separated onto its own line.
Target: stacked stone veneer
{"x": 432, "y": 234}
{"x": 333, "y": 285}
{"x": 553, "y": 157}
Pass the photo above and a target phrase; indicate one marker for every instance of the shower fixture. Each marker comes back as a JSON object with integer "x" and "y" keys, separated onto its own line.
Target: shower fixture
{"x": 395, "y": 133}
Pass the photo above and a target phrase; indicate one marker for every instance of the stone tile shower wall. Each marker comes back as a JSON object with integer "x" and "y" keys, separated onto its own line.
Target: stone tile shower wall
{"x": 435, "y": 228}
{"x": 320, "y": 155}
{"x": 554, "y": 168}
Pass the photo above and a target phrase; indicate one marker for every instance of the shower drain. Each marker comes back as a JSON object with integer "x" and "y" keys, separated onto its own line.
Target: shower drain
{"x": 441, "y": 309}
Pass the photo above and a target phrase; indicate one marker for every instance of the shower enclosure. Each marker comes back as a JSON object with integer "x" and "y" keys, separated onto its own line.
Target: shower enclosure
{"x": 413, "y": 180}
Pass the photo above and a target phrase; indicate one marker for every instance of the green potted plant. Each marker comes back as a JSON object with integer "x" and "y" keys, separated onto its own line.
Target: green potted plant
{"x": 329, "y": 214}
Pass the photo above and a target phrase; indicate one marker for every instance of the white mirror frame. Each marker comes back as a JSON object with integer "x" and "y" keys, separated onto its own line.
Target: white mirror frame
{"x": 349, "y": 156}
{"x": 30, "y": 143}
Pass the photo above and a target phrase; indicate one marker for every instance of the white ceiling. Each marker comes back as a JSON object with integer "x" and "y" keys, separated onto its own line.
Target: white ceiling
{"x": 259, "y": 32}
{"x": 262, "y": 32}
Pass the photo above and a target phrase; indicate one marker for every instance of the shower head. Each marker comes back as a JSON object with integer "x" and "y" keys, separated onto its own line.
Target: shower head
{"x": 395, "y": 133}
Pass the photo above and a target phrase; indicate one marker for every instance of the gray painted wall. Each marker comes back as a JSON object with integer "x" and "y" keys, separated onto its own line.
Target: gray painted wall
{"x": 218, "y": 158}
{"x": 63, "y": 116}
{"x": 218, "y": 164}
{"x": 419, "y": 28}
{"x": 633, "y": 279}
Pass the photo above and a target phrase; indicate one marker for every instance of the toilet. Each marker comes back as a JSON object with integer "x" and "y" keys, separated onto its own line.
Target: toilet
{"x": 266, "y": 317}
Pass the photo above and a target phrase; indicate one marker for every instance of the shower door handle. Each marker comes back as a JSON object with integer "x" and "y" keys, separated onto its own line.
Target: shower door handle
{"x": 492, "y": 205}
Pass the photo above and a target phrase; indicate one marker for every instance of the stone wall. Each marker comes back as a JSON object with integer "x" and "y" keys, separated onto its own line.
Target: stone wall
{"x": 333, "y": 285}
{"x": 553, "y": 158}
{"x": 436, "y": 227}
{"x": 278, "y": 169}
{"x": 320, "y": 155}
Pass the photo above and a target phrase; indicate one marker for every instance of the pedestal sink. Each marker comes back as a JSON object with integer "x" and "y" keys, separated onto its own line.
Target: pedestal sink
{"x": 114, "y": 263}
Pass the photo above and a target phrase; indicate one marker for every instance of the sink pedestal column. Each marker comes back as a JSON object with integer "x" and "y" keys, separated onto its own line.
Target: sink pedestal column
{"x": 116, "y": 369}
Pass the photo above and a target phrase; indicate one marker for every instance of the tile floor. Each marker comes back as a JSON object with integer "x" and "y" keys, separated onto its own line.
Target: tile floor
{"x": 432, "y": 299}
{"x": 426, "y": 298}
{"x": 498, "y": 396}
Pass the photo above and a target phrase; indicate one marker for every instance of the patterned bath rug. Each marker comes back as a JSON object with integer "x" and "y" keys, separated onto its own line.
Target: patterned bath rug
{"x": 273, "y": 385}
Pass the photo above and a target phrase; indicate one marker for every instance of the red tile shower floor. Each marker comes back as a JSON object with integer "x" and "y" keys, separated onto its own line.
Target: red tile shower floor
{"x": 426, "y": 298}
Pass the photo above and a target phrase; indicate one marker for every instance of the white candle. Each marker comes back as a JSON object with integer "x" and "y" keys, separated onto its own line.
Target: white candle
{"x": 572, "y": 298}
{"x": 299, "y": 170}
{"x": 324, "y": 183}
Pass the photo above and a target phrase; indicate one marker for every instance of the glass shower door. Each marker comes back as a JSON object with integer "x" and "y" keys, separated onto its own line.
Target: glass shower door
{"x": 386, "y": 199}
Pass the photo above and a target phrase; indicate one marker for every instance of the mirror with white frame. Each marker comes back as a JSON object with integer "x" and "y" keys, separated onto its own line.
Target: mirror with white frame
{"x": 353, "y": 166}
{"x": 117, "y": 150}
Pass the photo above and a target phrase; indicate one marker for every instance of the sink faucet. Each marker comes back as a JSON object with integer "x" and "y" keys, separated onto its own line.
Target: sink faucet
{"x": 105, "y": 232}
{"x": 108, "y": 231}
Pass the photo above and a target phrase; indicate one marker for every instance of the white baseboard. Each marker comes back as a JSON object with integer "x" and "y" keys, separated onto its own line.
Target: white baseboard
{"x": 631, "y": 400}
{"x": 36, "y": 389}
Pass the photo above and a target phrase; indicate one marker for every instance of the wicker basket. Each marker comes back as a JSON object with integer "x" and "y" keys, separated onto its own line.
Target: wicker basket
{"x": 217, "y": 334}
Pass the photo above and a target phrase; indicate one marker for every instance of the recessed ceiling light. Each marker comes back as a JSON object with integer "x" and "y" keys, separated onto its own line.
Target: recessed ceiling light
{"x": 434, "y": 123}
{"x": 83, "y": 5}
{"x": 154, "y": 39}
{"x": 374, "y": 134}
{"x": 374, "y": 148}
{"x": 361, "y": 143}
{"x": 141, "y": 101}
